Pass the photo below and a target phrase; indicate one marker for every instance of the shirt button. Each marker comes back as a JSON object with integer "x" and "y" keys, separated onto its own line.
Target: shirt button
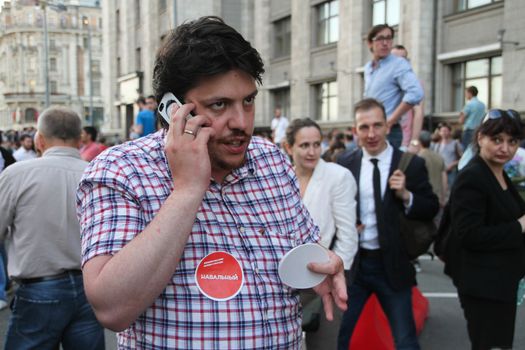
{"x": 261, "y": 231}
{"x": 241, "y": 229}
{"x": 256, "y": 270}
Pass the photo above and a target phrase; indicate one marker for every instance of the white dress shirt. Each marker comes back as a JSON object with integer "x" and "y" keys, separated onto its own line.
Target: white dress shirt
{"x": 22, "y": 154}
{"x": 367, "y": 212}
{"x": 279, "y": 126}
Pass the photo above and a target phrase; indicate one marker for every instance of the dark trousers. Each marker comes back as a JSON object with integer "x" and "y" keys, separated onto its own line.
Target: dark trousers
{"x": 490, "y": 323}
{"x": 397, "y": 305}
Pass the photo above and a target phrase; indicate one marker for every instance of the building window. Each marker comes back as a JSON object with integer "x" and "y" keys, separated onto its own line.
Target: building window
{"x": 328, "y": 22}
{"x": 385, "y": 11}
{"x": 95, "y": 66}
{"x": 119, "y": 67}
{"x": 30, "y": 115}
{"x": 85, "y": 42}
{"x": 96, "y": 88}
{"x": 53, "y": 64}
{"x": 281, "y": 97}
{"x": 98, "y": 116}
{"x": 485, "y": 75}
{"x": 138, "y": 59}
{"x": 463, "y": 5}
{"x": 326, "y": 93}
{"x": 53, "y": 87}
{"x": 282, "y": 37}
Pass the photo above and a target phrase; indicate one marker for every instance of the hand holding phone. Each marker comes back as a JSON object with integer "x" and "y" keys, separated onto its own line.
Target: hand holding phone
{"x": 167, "y": 100}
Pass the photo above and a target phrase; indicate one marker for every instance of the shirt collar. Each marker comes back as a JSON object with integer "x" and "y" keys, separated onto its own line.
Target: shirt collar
{"x": 62, "y": 151}
{"x": 376, "y": 64}
{"x": 385, "y": 155}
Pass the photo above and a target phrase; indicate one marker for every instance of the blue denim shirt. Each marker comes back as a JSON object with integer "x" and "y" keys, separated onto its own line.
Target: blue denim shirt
{"x": 392, "y": 81}
{"x": 474, "y": 112}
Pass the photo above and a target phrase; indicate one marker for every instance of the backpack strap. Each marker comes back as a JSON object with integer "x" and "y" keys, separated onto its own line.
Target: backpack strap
{"x": 405, "y": 161}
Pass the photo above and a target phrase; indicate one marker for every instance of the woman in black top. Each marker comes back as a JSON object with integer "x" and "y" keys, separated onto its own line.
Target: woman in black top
{"x": 485, "y": 254}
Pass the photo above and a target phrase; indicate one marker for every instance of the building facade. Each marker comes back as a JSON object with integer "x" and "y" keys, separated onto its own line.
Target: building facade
{"x": 70, "y": 65}
{"x": 318, "y": 49}
{"x": 315, "y": 51}
{"x": 133, "y": 32}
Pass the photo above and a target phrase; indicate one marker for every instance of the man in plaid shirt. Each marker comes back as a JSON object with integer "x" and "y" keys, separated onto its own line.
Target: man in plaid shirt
{"x": 151, "y": 209}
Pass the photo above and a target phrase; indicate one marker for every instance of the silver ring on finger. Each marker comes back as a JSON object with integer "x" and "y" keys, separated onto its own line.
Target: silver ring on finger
{"x": 189, "y": 132}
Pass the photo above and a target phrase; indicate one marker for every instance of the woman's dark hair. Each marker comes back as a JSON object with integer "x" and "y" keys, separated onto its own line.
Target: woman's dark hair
{"x": 199, "y": 49}
{"x": 298, "y": 124}
{"x": 509, "y": 122}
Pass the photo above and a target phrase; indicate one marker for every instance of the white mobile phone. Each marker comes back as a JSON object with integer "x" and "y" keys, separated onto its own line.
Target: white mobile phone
{"x": 167, "y": 100}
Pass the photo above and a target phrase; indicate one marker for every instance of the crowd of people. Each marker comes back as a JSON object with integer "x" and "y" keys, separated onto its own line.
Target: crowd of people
{"x": 119, "y": 237}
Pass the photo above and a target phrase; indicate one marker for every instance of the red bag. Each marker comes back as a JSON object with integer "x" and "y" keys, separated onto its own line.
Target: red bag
{"x": 373, "y": 331}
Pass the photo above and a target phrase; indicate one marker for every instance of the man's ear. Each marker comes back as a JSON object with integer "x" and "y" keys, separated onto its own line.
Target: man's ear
{"x": 40, "y": 142}
{"x": 370, "y": 46}
{"x": 287, "y": 148}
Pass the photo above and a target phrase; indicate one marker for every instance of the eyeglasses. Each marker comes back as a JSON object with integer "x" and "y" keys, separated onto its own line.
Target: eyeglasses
{"x": 498, "y": 113}
{"x": 383, "y": 39}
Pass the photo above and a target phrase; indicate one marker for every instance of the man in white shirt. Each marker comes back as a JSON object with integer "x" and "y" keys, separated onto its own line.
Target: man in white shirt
{"x": 25, "y": 151}
{"x": 279, "y": 125}
{"x": 382, "y": 265}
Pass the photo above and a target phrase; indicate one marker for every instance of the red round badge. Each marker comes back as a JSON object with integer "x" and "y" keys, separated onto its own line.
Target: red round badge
{"x": 219, "y": 276}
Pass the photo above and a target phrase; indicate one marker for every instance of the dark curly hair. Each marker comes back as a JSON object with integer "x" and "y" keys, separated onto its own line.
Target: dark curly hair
{"x": 198, "y": 49}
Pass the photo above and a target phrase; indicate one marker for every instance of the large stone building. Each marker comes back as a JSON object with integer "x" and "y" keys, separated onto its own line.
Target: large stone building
{"x": 315, "y": 50}
{"x": 72, "y": 74}
{"x": 318, "y": 49}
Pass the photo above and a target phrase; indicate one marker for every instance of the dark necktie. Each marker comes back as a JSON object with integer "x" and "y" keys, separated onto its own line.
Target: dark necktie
{"x": 377, "y": 194}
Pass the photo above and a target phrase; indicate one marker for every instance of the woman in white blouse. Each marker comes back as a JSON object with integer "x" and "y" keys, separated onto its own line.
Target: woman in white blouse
{"x": 328, "y": 190}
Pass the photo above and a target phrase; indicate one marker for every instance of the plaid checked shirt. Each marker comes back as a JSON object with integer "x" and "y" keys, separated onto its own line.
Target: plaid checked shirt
{"x": 256, "y": 215}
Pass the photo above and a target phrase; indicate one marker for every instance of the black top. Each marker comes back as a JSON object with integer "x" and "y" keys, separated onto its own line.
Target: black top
{"x": 485, "y": 254}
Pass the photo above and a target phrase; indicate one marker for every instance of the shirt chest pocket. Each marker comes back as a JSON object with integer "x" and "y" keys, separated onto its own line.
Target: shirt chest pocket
{"x": 268, "y": 246}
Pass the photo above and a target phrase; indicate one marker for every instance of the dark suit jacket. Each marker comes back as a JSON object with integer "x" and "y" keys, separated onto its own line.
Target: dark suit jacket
{"x": 8, "y": 157}
{"x": 425, "y": 205}
{"x": 485, "y": 253}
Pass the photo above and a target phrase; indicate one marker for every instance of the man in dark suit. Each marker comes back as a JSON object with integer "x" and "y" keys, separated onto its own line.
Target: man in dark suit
{"x": 382, "y": 265}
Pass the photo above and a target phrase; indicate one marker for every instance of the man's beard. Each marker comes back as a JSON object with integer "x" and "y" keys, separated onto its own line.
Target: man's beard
{"x": 220, "y": 163}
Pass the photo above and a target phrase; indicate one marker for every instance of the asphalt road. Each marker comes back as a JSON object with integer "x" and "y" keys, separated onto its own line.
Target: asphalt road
{"x": 444, "y": 329}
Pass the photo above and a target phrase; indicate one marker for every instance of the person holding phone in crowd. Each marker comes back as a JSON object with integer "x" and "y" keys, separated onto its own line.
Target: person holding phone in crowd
{"x": 151, "y": 210}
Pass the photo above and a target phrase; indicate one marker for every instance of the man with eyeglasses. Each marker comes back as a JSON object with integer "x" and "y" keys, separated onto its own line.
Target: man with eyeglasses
{"x": 390, "y": 80}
